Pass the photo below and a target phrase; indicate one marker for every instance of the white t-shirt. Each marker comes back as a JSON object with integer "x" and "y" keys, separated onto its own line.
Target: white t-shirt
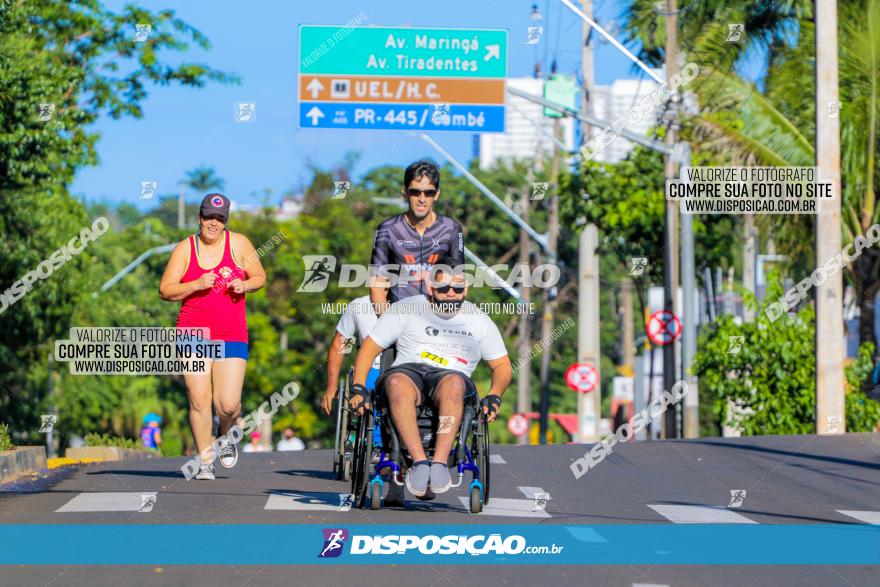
{"x": 422, "y": 336}
{"x": 357, "y": 321}
{"x": 290, "y": 444}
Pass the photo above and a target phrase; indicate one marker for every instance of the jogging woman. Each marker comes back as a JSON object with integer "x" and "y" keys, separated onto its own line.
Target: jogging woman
{"x": 211, "y": 272}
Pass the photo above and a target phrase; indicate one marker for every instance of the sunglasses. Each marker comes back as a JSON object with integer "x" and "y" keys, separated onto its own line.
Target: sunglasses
{"x": 415, "y": 193}
{"x": 455, "y": 288}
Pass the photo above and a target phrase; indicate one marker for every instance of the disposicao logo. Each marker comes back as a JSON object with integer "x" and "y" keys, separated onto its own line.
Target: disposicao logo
{"x": 334, "y": 541}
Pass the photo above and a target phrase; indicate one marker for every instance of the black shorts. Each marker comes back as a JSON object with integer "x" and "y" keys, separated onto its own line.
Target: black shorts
{"x": 426, "y": 378}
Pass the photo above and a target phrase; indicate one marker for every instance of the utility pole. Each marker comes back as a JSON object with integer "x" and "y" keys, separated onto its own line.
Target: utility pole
{"x": 181, "y": 207}
{"x": 626, "y": 303}
{"x": 549, "y": 309}
{"x": 524, "y": 375}
{"x": 587, "y": 69}
{"x": 589, "y": 404}
{"x": 830, "y": 407}
{"x": 670, "y": 261}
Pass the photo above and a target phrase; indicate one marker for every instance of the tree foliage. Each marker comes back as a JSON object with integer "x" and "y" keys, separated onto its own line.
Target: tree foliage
{"x": 770, "y": 379}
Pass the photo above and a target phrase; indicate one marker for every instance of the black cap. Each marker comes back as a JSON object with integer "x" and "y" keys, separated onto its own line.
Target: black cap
{"x": 215, "y": 205}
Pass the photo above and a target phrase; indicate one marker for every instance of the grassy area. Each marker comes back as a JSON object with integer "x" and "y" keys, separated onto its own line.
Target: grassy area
{"x": 107, "y": 440}
{"x": 5, "y": 441}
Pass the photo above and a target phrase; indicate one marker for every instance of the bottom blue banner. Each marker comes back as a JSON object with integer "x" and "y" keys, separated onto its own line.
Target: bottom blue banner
{"x": 705, "y": 544}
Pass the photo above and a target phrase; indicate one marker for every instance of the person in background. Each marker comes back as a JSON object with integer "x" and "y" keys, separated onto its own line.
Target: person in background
{"x": 151, "y": 433}
{"x": 289, "y": 441}
{"x": 254, "y": 445}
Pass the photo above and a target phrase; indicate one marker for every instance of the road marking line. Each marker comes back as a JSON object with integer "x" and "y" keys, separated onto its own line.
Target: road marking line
{"x": 700, "y": 514}
{"x": 585, "y": 534}
{"x": 107, "y": 502}
{"x": 530, "y": 492}
{"x": 511, "y": 508}
{"x": 867, "y": 517}
{"x": 304, "y": 500}
{"x": 497, "y": 460}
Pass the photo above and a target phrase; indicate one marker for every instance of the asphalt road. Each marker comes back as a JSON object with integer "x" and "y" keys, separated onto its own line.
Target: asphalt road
{"x": 776, "y": 481}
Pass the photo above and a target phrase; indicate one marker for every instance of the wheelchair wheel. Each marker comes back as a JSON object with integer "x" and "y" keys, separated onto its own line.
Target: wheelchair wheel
{"x": 342, "y": 424}
{"x": 476, "y": 500}
{"x": 362, "y": 458}
{"x": 481, "y": 442}
{"x": 375, "y": 496}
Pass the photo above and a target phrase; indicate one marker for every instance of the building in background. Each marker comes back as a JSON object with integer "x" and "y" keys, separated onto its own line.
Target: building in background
{"x": 523, "y": 139}
{"x": 616, "y": 100}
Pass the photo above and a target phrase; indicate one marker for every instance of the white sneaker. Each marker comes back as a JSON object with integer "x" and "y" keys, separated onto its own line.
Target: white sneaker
{"x": 228, "y": 453}
{"x": 206, "y": 472}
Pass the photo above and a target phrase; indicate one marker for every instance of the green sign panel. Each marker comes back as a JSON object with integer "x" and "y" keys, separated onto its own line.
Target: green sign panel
{"x": 403, "y": 51}
{"x": 561, "y": 89}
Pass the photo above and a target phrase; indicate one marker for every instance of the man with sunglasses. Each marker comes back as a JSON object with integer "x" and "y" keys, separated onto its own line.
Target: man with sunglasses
{"x": 440, "y": 340}
{"x": 408, "y": 245}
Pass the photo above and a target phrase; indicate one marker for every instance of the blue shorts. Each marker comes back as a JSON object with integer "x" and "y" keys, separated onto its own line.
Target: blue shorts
{"x": 236, "y": 350}
{"x": 231, "y": 349}
{"x": 372, "y": 377}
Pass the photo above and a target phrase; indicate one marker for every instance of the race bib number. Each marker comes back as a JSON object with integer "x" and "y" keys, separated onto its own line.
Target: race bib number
{"x": 432, "y": 359}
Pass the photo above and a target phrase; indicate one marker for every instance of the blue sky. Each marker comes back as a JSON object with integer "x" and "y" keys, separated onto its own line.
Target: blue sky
{"x": 183, "y": 128}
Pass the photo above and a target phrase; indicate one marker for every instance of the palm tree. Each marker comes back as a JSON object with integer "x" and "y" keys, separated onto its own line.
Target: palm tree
{"x": 203, "y": 179}
{"x": 777, "y": 127}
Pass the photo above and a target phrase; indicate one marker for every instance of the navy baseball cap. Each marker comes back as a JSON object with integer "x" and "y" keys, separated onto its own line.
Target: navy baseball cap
{"x": 215, "y": 205}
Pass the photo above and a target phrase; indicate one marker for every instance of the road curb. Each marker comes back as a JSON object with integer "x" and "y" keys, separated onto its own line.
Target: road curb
{"x": 107, "y": 453}
{"x": 22, "y": 460}
{"x": 65, "y": 462}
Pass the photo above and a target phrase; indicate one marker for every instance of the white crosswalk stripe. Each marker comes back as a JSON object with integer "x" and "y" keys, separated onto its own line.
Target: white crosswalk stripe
{"x": 867, "y": 517}
{"x": 308, "y": 500}
{"x": 133, "y": 501}
{"x": 700, "y": 514}
{"x": 512, "y": 508}
{"x": 496, "y": 460}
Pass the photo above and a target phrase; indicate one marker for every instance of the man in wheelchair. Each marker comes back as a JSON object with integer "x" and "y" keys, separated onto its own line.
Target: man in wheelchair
{"x": 440, "y": 340}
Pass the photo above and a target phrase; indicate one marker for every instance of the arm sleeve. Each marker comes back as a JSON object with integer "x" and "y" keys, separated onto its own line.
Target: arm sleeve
{"x": 492, "y": 345}
{"x": 456, "y": 246}
{"x": 381, "y": 251}
{"x": 389, "y": 327}
{"x": 347, "y": 326}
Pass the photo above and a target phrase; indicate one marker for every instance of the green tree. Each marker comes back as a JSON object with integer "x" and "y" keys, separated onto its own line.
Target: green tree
{"x": 62, "y": 66}
{"x": 766, "y": 370}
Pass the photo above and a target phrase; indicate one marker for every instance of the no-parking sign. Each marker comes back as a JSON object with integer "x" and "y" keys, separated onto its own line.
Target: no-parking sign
{"x": 663, "y": 327}
{"x": 582, "y": 377}
{"x": 518, "y": 424}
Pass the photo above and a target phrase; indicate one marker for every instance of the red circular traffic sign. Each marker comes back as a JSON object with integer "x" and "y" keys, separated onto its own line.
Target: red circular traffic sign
{"x": 582, "y": 377}
{"x": 518, "y": 424}
{"x": 663, "y": 327}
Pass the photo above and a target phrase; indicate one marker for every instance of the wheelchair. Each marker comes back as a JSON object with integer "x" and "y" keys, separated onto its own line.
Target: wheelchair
{"x": 378, "y": 456}
{"x": 345, "y": 430}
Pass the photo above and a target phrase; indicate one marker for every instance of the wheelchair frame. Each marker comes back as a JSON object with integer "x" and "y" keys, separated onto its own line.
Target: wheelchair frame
{"x": 470, "y": 453}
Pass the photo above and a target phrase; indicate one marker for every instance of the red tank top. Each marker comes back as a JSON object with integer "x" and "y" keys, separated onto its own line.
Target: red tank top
{"x": 217, "y": 308}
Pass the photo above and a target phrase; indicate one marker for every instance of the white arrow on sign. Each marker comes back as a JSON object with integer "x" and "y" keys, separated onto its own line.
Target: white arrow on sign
{"x": 315, "y": 113}
{"x": 492, "y": 51}
{"x": 315, "y": 86}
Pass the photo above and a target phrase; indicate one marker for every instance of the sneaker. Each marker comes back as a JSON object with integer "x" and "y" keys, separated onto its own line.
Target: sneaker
{"x": 440, "y": 479}
{"x": 228, "y": 453}
{"x": 395, "y": 497}
{"x": 206, "y": 472}
{"x": 417, "y": 478}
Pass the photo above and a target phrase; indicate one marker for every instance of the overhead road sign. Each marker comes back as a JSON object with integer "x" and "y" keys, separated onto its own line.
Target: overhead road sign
{"x": 434, "y": 90}
{"x": 402, "y": 78}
